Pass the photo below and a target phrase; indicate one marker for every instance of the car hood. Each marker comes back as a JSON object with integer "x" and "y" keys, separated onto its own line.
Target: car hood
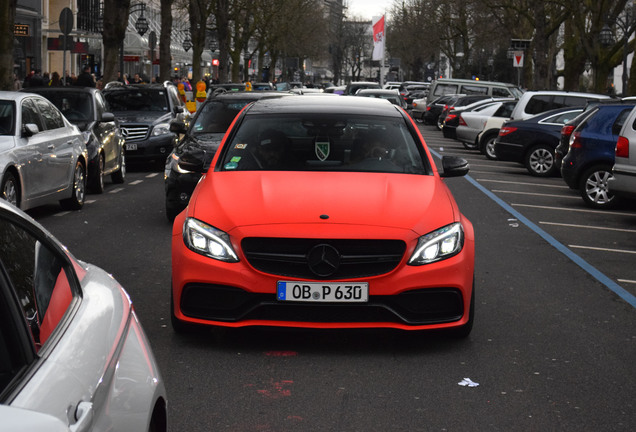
{"x": 208, "y": 141}
{"x": 145, "y": 117}
{"x": 228, "y": 200}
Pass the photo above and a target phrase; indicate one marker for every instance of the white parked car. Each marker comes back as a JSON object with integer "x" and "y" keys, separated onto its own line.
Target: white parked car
{"x": 71, "y": 346}
{"x": 471, "y": 123}
{"x": 42, "y": 156}
{"x": 623, "y": 182}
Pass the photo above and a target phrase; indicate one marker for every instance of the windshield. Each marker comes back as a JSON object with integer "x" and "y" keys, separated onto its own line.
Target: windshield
{"x": 324, "y": 143}
{"x": 217, "y": 116}
{"x": 77, "y": 107}
{"x": 137, "y": 99}
{"x": 7, "y": 116}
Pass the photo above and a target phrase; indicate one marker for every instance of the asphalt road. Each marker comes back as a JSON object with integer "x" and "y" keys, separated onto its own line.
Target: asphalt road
{"x": 552, "y": 348}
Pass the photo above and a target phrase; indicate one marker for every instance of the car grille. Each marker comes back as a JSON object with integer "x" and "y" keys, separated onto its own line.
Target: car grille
{"x": 231, "y": 304}
{"x": 135, "y": 132}
{"x": 323, "y": 259}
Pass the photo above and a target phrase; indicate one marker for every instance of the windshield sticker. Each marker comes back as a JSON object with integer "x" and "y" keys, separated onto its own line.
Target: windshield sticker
{"x": 231, "y": 166}
{"x": 240, "y": 146}
{"x": 322, "y": 148}
{"x": 235, "y": 159}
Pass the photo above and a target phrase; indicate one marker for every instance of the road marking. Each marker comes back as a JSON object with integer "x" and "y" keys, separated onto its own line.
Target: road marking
{"x": 605, "y": 212}
{"x": 593, "y": 271}
{"x": 152, "y": 175}
{"x": 602, "y": 249}
{"x": 523, "y": 183}
{"x": 89, "y": 201}
{"x": 589, "y": 227}
{"x": 114, "y": 191}
{"x": 64, "y": 213}
{"x": 136, "y": 182}
{"x": 536, "y": 194}
{"x": 627, "y": 281}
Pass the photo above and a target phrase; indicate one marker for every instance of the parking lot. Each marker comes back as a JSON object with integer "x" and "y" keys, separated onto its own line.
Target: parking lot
{"x": 603, "y": 242}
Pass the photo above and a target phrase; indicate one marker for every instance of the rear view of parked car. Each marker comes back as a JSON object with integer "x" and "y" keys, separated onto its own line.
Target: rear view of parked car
{"x": 42, "y": 156}
{"x": 87, "y": 109}
{"x": 537, "y": 102}
{"x": 71, "y": 346}
{"x": 587, "y": 167}
{"x": 532, "y": 141}
{"x": 624, "y": 182}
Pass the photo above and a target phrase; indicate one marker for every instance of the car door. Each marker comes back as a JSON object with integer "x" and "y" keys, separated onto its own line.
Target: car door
{"x": 61, "y": 137}
{"x": 32, "y": 152}
{"x": 106, "y": 133}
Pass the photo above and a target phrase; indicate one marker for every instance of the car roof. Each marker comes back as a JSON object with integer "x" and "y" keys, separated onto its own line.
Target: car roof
{"x": 378, "y": 91}
{"x": 343, "y": 105}
{"x": 67, "y": 89}
{"x": 16, "y": 95}
{"x": 248, "y": 95}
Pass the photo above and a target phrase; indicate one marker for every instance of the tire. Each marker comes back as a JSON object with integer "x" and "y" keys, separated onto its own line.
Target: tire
{"x": 97, "y": 183}
{"x": 540, "y": 161}
{"x": 76, "y": 201}
{"x": 11, "y": 189}
{"x": 439, "y": 123}
{"x": 594, "y": 189}
{"x": 487, "y": 146}
{"x": 119, "y": 176}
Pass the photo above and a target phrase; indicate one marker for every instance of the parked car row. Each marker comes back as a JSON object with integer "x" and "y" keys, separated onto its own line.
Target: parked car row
{"x": 585, "y": 138}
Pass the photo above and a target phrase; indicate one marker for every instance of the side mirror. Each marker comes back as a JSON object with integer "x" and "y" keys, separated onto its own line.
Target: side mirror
{"x": 193, "y": 160}
{"x": 454, "y": 166}
{"x": 178, "y": 127}
{"x": 30, "y": 129}
{"x": 108, "y": 117}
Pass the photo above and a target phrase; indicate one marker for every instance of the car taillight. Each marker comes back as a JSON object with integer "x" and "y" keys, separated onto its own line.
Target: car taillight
{"x": 506, "y": 130}
{"x": 566, "y": 130}
{"x": 575, "y": 140}
{"x": 622, "y": 147}
{"x": 462, "y": 122}
{"x": 428, "y": 108}
{"x": 450, "y": 116}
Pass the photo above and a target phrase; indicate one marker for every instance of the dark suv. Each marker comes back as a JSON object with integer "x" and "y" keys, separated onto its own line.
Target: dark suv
{"x": 202, "y": 138}
{"x": 144, "y": 112}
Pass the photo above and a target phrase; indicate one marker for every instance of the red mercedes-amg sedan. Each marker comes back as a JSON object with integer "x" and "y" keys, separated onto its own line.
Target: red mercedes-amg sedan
{"x": 323, "y": 213}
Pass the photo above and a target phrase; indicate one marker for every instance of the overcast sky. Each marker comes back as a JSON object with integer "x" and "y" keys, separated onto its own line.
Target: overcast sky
{"x": 367, "y": 9}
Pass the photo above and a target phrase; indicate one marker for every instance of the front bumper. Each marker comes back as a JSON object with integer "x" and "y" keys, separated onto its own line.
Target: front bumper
{"x": 153, "y": 148}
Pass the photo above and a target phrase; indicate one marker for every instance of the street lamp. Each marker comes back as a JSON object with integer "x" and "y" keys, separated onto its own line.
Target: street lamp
{"x": 187, "y": 43}
{"x": 606, "y": 38}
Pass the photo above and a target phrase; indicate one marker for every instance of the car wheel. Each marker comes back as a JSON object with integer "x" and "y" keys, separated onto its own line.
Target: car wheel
{"x": 594, "y": 187}
{"x": 76, "y": 201}
{"x": 119, "y": 176}
{"x": 440, "y": 123}
{"x": 11, "y": 189}
{"x": 487, "y": 146}
{"x": 540, "y": 161}
{"x": 97, "y": 183}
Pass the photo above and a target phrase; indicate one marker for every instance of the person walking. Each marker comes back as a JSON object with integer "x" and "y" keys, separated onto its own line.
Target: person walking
{"x": 55, "y": 80}
{"x": 85, "y": 79}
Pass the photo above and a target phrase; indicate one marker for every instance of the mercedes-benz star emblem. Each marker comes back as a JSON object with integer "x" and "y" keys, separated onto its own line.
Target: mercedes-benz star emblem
{"x": 323, "y": 260}
{"x": 124, "y": 132}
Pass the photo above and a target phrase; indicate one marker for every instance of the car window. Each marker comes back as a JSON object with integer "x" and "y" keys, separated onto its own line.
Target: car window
{"x": 324, "y": 143}
{"x": 7, "y": 117}
{"x": 500, "y": 92}
{"x": 561, "y": 118}
{"x": 101, "y": 106}
{"x": 540, "y": 103}
{"x": 76, "y": 106}
{"x": 51, "y": 116}
{"x": 442, "y": 89}
{"x": 39, "y": 277}
{"x": 620, "y": 121}
{"x": 137, "y": 99}
{"x": 30, "y": 114}
{"x": 216, "y": 116}
{"x": 474, "y": 89}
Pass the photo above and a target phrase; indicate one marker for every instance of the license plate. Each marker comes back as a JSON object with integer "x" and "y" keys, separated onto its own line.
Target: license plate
{"x": 131, "y": 147}
{"x": 345, "y": 292}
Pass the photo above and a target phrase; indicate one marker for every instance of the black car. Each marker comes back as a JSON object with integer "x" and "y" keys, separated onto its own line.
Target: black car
{"x": 434, "y": 109}
{"x": 144, "y": 112}
{"x": 87, "y": 109}
{"x": 204, "y": 134}
{"x": 532, "y": 141}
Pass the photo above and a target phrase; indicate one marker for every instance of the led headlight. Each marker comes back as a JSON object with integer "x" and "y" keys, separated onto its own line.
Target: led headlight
{"x": 438, "y": 245}
{"x": 161, "y": 129}
{"x": 209, "y": 241}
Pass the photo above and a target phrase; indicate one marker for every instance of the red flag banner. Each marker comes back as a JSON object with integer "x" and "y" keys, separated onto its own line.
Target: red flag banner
{"x": 378, "y": 38}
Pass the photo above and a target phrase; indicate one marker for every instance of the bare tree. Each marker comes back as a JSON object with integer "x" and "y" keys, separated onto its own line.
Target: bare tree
{"x": 115, "y": 22}
{"x": 165, "y": 38}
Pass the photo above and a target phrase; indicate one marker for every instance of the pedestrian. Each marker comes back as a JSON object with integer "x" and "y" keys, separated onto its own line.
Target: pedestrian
{"x": 36, "y": 79}
{"x": 55, "y": 80}
{"x": 17, "y": 84}
{"x": 137, "y": 79}
{"x": 85, "y": 79}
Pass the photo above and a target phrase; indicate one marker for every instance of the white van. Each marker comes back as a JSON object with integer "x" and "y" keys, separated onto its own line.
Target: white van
{"x": 536, "y": 102}
{"x": 444, "y": 86}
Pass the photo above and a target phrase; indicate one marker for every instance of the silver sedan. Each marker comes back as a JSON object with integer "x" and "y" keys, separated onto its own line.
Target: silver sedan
{"x": 42, "y": 156}
{"x": 71, "y": 346}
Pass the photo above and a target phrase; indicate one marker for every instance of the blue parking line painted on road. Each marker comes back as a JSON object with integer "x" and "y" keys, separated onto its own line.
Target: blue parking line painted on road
{"x": 593, "y": 271}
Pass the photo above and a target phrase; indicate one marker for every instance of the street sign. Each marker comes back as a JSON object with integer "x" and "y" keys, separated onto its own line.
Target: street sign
{"x": 517, "y": 59}
{"x": 66, "y": 21}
